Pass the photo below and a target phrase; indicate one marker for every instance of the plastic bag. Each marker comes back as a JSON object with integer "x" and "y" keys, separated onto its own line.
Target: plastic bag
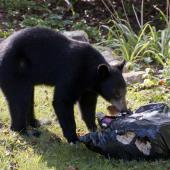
{"x": 142, "y": 134}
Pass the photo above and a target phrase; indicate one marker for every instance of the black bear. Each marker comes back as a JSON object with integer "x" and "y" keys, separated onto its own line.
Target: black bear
{"x": 79, "y": 73}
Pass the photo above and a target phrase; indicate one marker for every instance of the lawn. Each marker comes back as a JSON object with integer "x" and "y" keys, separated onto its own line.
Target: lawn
{"x": 49, "y": 152}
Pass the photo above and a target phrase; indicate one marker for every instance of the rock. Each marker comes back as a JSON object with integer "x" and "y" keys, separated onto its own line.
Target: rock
{"x": 110, "y": 58}
{"x": 133, "y": 77}
{"x": 108, "y": 55}
{"x": 1, "y": 39}
{"x": 77, "y": 35}
{"x": 106, "y": 52}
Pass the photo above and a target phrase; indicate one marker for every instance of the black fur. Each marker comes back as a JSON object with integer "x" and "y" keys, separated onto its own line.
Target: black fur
{"x": 79, "y": 73}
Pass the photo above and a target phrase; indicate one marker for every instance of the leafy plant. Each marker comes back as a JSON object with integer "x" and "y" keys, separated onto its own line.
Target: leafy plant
{"x": 16, "y": 4}
{"x": 126, "y": 42}
{"x": 5, "y": 34}
{"x": 166, "y": 71}
{"x": 146, "y": 45}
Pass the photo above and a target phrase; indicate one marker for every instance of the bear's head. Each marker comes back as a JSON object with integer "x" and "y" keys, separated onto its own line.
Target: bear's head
{"x": 112, "y": 86}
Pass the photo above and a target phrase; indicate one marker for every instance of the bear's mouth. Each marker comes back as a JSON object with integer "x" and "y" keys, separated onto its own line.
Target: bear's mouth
{"x": 113, "y": 110}
{"x": 116, "y": 112}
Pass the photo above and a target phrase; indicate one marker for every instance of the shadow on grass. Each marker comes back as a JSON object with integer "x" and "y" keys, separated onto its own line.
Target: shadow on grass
{"x": 59, "y": 154}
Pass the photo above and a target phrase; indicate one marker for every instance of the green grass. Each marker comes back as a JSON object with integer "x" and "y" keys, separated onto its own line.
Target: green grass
{"x": 23, "y": 153}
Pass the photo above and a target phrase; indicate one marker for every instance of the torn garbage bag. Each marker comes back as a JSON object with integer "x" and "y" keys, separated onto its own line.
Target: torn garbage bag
{"x": 142, "y": 134}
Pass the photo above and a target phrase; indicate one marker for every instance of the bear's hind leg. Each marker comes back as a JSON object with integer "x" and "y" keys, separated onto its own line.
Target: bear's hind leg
{"x": 32, "y": 121}
{"x": 87, "y": 108}
{"x": 18, "y": 94}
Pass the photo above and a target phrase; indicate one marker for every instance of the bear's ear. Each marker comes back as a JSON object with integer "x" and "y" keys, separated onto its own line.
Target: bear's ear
{"x": 121, "y": 65}
{"x": 103, "y": 70}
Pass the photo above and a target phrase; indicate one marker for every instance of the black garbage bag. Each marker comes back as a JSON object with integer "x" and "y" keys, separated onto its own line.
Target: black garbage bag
{"x": 142, "y": 134}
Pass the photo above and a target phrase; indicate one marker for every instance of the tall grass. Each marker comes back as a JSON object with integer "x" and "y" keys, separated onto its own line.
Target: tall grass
{"x": 147, "y": 44}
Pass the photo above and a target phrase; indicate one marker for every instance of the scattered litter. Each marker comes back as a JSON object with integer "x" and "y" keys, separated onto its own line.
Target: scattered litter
{"x": 126, "y": 138}
{"x": 143, "y": 146}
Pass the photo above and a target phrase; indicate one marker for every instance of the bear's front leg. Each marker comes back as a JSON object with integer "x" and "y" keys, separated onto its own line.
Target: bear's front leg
{"x": 87, "y": 108}
{"x": 64, "y": 110}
